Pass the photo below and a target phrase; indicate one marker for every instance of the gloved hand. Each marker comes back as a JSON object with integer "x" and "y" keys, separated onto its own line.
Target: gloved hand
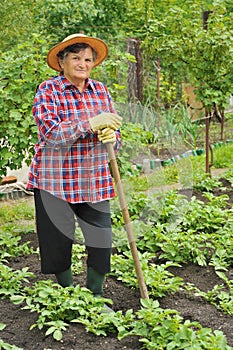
{"x": 106, "y": 135}
{"x": 105, "y": 120}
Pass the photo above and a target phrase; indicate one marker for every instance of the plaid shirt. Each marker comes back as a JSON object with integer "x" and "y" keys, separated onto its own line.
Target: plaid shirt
{"x": 69, "y": 161}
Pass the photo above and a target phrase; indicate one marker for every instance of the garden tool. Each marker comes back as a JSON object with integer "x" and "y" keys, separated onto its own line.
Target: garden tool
{"x": 65, "y": 278}
{"x": 126, "y": 217}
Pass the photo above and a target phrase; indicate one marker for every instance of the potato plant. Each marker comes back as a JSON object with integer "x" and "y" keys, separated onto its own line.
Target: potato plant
{"x": 170, "y": 231}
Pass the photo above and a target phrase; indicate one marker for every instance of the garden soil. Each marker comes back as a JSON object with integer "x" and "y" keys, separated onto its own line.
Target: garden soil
{"x": 193, "y": 308}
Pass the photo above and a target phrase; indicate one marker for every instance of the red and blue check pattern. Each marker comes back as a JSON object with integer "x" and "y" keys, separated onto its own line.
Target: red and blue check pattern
{"x": 69, "y": 161}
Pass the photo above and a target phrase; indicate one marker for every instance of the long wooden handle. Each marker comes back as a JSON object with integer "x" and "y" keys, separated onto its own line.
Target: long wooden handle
{"x": 128, "y": 225}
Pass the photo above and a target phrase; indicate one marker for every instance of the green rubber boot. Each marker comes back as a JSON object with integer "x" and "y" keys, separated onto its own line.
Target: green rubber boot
{"x": 65, "y": 278}
{"x": 95, "y": 284}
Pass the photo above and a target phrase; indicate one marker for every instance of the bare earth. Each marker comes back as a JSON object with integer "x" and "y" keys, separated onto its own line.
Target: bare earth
{"x": 193, "y": 308}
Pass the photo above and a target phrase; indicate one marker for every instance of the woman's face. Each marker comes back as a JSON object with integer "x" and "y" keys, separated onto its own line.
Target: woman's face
{"x": 77, "y": 66}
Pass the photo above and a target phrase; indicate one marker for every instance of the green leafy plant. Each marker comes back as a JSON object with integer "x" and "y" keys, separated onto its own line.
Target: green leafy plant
{"x": 11, "y": 282}
{"x": 180, "y": 229}
{"x": 207, "y": 183}
{"x": 165, "y": 329}
{"x": 229, "y": 175}
{"x": 220, "y": 296}
{"x": 157, "y": 277}
{"x": 78, "y": 255}
{"x": 57, "y": 306}
{"x": 10, "y": 246}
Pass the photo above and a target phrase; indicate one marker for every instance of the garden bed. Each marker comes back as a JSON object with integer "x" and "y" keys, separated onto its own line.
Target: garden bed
{"x": 193, "y": 307}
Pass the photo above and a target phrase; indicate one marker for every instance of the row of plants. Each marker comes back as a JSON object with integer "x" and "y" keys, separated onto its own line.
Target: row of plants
{"x": 175, "y": 230}
{"x": 147, "y": 134}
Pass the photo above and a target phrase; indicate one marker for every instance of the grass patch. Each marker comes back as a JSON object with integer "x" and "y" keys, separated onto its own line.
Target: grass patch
{"x": 20, "y": 210}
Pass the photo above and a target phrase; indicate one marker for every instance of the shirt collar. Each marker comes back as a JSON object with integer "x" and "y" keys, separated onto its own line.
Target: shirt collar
{"x": 66, "y": 84}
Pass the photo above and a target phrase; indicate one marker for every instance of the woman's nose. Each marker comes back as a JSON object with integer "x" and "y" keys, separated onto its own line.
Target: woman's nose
{"x": 81, "y": 63}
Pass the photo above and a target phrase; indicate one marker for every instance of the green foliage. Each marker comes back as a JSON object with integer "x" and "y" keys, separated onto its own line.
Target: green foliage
{"x": 211, "y": 62}
{"x": 13, "y": 14}
{"x": 222, "y": 159}
{"x": 62, "y": 18}
{"x": 207, "y": 183}
{"x": 223, "y": 156}
{"x": 21, "y": 72}
{"x": 220, "y": 296}
{"x": 135, "y": 139}
{"x": 78, "y": 256}
{"x": 189, "y": 52}
{"x": 157, "y": 277}
{"x": 10, "y": 247}
{"x": 223, "y": 255}
{"x": 190, "y": 231}
{"x": 135, "y": 206}
{"x": 169, "y": 230}
{"x": 57, "y": 306}
{"x": 11, "y": 281}
{"x": 136, "y": 134}
{"x": 178, "y": 229}
{"x": 165, "y": 329}
{"x": 176, "y": 125}
{"x": 12, "y": 213}
{"x": 229, "y": 175}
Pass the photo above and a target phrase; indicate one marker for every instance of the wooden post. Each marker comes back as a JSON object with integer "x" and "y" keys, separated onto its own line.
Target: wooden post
{"x": 207, "y": 140}
{"x": 222, "y": 123}
{"x": 205, "y": 15}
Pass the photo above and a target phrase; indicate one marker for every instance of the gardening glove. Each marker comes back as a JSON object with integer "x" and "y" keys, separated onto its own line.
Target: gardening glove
{"x": 106, "y": 135}
{"x": 105, "y": 120}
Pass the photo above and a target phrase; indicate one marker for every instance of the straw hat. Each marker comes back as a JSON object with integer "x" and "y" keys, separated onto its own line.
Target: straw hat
{"x": 98, "y": 45}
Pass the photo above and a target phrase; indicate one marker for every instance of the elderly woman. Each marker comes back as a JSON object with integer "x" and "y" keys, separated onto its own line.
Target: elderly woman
{"x": 69, "y": 173}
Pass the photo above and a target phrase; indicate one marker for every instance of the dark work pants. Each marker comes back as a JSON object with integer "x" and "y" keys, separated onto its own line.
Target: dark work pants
{"x": 55, "y": 222}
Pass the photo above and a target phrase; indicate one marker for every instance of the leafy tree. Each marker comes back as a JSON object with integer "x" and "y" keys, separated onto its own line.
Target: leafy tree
{"x": 17, "y": 22}
{"x": 189, "y": 52}
{"x": 210, "y": 65}
{"x": 100, "y": 18}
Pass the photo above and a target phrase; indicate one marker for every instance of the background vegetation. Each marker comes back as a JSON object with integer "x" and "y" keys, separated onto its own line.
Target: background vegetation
{"x": 176, "y": 48}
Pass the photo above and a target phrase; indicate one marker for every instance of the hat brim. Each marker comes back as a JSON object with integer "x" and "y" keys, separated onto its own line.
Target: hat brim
{"x": 98, "y": 45}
